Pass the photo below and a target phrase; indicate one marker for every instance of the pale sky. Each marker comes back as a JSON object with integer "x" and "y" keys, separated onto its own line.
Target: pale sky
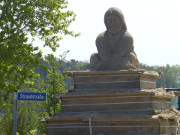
{"x": 154, "y": 25}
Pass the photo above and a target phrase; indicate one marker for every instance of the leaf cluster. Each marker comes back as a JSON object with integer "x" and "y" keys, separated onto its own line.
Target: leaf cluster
{"x": 19, "y": 19}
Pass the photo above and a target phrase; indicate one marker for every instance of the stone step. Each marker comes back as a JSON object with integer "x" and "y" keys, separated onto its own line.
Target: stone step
{"x": 142, "y": 100}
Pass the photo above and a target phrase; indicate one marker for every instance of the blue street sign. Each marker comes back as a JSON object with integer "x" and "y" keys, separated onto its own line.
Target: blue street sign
{"x": 32, "y": 96}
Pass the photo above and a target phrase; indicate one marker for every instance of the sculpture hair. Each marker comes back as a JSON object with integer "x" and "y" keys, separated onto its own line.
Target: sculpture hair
{"x": 118, "y": 12}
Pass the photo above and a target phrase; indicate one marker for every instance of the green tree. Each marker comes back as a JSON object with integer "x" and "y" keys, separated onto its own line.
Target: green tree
{"x": 47, "y": 20}
{"x": 170, "y": 78}
{"x": 28, "y": 112}
{"x": 55, "y": 84}
{"x": 75, "y": 65}
{"x": 20, "y": 21}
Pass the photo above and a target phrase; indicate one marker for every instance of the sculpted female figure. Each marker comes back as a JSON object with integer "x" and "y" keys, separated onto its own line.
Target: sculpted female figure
{"x": 115, "y": 45}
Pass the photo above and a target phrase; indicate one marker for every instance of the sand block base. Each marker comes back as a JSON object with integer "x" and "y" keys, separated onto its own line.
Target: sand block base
{"x": 115, "y": 103}
{"x": 116, "y": 100}
{"x": 114, "y": 79}
{"x": 110, "y": 123}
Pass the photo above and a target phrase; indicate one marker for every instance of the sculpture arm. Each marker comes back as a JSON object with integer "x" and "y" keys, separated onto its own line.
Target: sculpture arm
{"x": 128, "y": 43}
{"x": 102, "y": 48}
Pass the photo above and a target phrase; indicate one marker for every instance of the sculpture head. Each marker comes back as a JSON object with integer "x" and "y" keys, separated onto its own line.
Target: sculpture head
{"x": 114, "y": 20}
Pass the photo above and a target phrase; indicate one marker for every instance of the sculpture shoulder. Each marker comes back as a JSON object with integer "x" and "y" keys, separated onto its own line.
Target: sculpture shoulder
{"x": 128, "y": 36}
{"x": 100, "y": 36}
{"x": 100, "y": 39}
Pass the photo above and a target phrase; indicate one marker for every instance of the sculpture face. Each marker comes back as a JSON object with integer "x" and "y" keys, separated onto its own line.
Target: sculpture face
{"x": 113, "y": 23}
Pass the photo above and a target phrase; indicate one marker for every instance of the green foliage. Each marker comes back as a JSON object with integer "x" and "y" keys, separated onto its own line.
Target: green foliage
{"x": 29, "y": 113}
{"x": 170, "y": 78}
{"x": 75, "y": 65}
{"x": 32, "y": 132}
{"x": 6, "y": 121}
{"x": 55, "y": 84}
{"x": 46, "y": 19}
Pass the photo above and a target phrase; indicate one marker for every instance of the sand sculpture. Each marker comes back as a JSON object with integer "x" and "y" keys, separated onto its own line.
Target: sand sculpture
{"x": 115, "y": 97}
{"x": 115, "y": 45}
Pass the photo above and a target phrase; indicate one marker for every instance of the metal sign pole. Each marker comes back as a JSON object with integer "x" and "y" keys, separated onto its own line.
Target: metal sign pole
{"x": 25, "y": 96}
{"x": 15, "y": 113}
{"x": 90, "y": 125}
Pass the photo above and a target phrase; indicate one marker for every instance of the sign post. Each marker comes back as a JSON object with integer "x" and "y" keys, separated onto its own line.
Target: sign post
{"x": 32, "y": 96}
{"x": 15, "y": 113}
{"x": 25, "y": 96}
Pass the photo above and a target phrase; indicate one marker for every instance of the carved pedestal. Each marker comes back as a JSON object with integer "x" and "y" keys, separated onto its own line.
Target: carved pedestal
{"x": 115, "y": 103}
